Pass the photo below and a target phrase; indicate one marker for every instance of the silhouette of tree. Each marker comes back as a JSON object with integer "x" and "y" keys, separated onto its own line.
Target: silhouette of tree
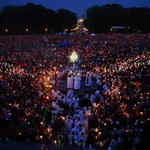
{"x": 36, "y": 19}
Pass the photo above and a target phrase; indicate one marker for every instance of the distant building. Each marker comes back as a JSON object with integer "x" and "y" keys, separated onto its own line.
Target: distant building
{"x": 119, "y": 28}
{"x": 80, "y": 29}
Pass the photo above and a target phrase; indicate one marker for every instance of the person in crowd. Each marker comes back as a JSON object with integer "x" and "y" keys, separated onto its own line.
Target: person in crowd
{"x": 77, "y": 82}
{"x": 88, "y": 80}
{"x": 34, "y": 110}
{"x": 70, "y": 80}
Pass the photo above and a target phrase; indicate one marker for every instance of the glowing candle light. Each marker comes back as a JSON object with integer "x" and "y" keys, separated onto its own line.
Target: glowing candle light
{"x": 101, "y": 143}
{"x": 48, "y": 130}
{"x": 55, "y": 142}
{"x": 41, "y": 136}
{"x": 96, "y": 130}
{"x": 63, "y": 118}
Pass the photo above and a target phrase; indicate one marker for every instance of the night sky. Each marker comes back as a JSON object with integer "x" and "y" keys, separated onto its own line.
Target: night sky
{"x": 77, "y": 6}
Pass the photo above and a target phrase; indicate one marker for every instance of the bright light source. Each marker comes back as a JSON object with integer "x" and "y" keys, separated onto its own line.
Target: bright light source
{"x": 74, "y": 57}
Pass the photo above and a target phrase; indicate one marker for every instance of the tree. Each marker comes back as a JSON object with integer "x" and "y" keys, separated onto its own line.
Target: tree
{"x": 65, "y": 20}
{"x": 100, "y": 19}
{"x": 140, "y": 19}
{"x": 36, "y": 18}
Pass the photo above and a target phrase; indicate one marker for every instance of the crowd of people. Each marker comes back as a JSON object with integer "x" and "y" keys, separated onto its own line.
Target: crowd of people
{"x": 114, "y": 115}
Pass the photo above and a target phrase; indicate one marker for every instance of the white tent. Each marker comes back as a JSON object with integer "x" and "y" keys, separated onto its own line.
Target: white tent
{"x": 93, "y": 34}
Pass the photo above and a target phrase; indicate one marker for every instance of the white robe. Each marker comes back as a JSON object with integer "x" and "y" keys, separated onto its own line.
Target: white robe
{"x": 70, "y": 93}
{"x": 77, "y": 82}
{"x": 70, "y": 82}
{"x": 85, "y": 125}
{"x": 105, "y": 87}
{"x": 88, "y": 80}
{"x": 68, "y": 125}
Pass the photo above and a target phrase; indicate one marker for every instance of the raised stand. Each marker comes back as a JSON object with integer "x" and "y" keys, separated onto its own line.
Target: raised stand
{"x": 62, "y": 86}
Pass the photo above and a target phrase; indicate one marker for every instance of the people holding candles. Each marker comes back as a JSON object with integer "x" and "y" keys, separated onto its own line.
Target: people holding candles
{"x": 28, "y": 106}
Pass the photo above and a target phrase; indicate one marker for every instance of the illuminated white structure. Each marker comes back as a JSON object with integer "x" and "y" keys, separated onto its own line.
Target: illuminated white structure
{"x": 80, "y": 29}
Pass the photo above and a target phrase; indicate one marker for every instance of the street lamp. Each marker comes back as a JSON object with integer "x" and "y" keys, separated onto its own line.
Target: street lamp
{"x": 74, "y": 58}
{"x": 27, "y": 30}
{"x": 6, "y": 30}
{"x": 46, "y": 30}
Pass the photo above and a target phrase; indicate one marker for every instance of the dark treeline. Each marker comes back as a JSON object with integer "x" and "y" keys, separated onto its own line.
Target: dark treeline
{"x": 33, "y": 19}
{"x": 101, "y": 18}
{"x": 36, "y": 19}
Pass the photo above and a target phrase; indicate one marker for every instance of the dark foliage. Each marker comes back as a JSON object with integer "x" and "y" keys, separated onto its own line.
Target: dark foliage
{"x": 36, "y": 19}
{"x": 100, "y": 19}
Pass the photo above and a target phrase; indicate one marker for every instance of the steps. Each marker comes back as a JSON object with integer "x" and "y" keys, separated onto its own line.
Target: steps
{"x": 62, "y": 85}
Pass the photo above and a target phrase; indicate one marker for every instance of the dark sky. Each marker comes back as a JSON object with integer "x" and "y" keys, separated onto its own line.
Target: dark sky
{"x": 77, "y": 6}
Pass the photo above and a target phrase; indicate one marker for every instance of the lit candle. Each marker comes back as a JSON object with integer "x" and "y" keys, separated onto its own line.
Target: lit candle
{"x": 96, "y": 130}
{"x": 41, "y": 136}
{"x": 63, "y": 118}
{"x": 142, "y": 122}
{"x": 48, "y": 130}
{"x": 141, "y": 113}
{"x": 55, "y": 142}
{"x": 101, "y": 143}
